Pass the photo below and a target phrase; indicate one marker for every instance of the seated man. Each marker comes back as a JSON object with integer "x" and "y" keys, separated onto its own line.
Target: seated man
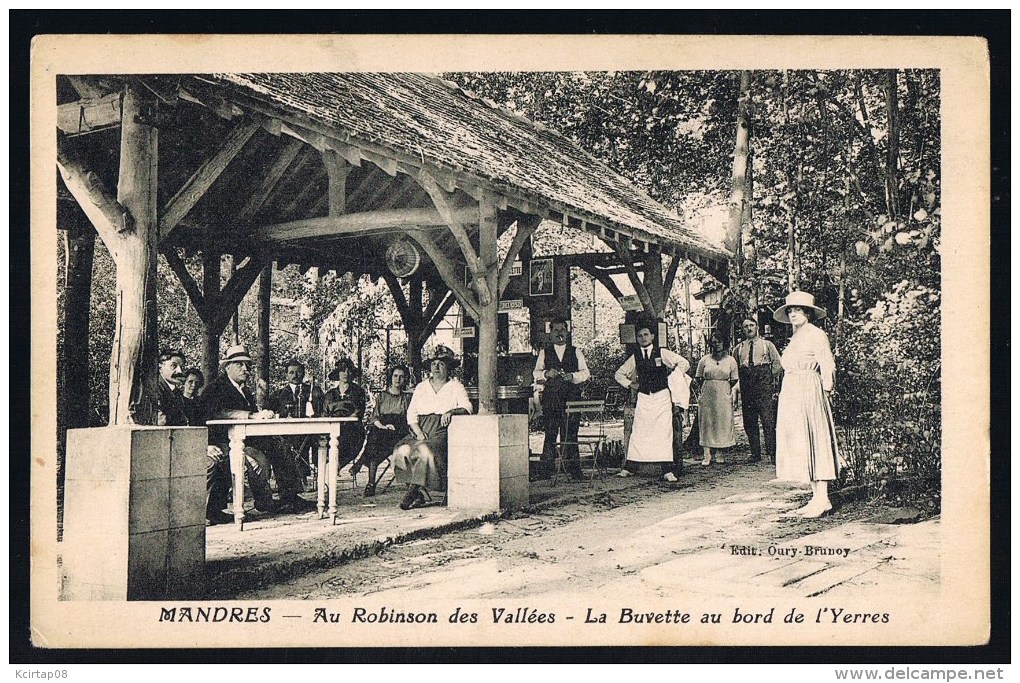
{"x": 172, "y": 411}
{"x": 296, "y": 398}
{"x": 228, "y": 397}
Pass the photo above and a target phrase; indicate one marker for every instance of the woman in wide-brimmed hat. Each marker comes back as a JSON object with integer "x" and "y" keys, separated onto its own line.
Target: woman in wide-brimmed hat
{"x": 805, "y": 431}
{"x": 347, "y": 399}
{"x": 420, "y": 459}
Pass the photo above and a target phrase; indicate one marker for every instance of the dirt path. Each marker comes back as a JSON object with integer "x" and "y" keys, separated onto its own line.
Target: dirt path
{"x": 581, "y": 547}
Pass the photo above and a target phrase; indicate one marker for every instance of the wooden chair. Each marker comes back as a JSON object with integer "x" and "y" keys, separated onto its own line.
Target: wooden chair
{"x": 589, "y": 446}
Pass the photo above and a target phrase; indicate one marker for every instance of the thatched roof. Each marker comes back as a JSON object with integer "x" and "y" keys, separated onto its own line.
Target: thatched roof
{"x": 423, "y": 118}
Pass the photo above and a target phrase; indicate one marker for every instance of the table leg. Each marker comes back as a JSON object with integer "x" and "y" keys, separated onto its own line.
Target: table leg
{"x": 334, "y": 470}
{"x": 320, "y": 479}
{"x": 237, "y": 467}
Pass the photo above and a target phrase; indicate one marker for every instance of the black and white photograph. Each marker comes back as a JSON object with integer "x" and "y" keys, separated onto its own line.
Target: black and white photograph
{"x": 262, "y": 420}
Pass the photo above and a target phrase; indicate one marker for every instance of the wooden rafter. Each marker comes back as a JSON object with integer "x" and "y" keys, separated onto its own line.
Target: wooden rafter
{"x": 670, "y": 277}
{"x": 460, "y": 233}
{"x": 337, "y": 169}
{"x": 109, "y": 217}
{"x": 89, "y": 114}
{"x": 240, "y": 282}
{"x": 627, "y": 259}
{"x": 602, "y": 277}
{"x": 432, "y": 321}
{"x": 447, "y": 271}
{"x": 203, "y": 178}
{"x": 526, "y": 226}
{"x": 270, "y": 180}
{"x": 176, "y": 264}
{"x": 367, "y": 221}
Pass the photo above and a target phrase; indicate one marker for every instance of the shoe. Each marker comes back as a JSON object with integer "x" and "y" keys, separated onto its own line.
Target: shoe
{"x": 624, "y": 473}
{"x": 296, "y": 504}
{"x": 754, "y": 459}
{"x": 670, "y": 477}
{"x": 267, "y": 505}
{"x": 411, "y": 499}
{"x": 369, "y": 490}
{"x": 219, "y": 517}
{"x": 576, "y": 476}
{"x": 721, "y": 460}
{"x": 706, "y": 462}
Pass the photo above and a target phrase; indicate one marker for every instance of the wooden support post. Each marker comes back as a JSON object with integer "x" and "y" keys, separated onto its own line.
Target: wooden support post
{"x": 652, "y": 280}
{"x": 210, "y": 332}
{"x": 133, "y": 372}
{"x": 487, "y": 322}
{"x": 526, "y": 226}
{"x": 337, "y": 169}
{"x": 265, "y": 295}
{"x": 627, "y": 259}
{"x": 79, "y": 246}
{"x": 235, "y": 332}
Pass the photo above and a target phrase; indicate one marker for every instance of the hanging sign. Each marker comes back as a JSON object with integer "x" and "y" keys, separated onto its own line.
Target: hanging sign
{"x": 631, "y": 302}
{"x": 511, "y": 305}
{"x": 516, "y": 268}
{"x": 463, "y": 332}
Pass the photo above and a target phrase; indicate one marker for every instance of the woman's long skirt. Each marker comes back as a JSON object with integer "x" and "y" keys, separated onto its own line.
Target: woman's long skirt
{"x": 425, "y": 465}
{"x": 805, "y": 431}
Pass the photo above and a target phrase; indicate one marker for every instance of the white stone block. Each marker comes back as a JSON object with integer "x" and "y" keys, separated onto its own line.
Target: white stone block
{"x": 133, "y": 530}
{"x": 488, "y": 463}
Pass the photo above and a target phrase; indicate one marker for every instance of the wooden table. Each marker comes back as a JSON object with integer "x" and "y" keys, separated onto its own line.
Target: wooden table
{"x": 239, "y": 430}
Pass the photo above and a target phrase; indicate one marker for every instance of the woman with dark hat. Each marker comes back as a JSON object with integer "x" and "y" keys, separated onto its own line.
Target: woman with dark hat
{"x": 420, "y": 459}
{"x": 387, "y": 425}
{"x": 805, "y": 430}
{"x": 346, "y": 399}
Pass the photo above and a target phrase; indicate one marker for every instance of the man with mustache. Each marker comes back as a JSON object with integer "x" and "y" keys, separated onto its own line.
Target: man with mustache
{"x": 171, "y": 400}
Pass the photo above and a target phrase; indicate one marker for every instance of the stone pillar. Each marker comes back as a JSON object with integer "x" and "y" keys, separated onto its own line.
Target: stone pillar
{"x": 134, "y": 513}
{"x": 488, "y": 463}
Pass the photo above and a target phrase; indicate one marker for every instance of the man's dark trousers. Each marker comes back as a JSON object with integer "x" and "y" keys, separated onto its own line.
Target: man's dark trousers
{"x": 757, "y": 389}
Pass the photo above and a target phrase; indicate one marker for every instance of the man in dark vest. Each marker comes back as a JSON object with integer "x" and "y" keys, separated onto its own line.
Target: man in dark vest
{"x": 760, "y": 368}
{"x": 559, "y": 372}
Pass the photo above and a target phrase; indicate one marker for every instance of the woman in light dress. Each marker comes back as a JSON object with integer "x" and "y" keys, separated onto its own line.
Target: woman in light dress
{"x": 805, "y": 431}
{"x": 717, "y": 374}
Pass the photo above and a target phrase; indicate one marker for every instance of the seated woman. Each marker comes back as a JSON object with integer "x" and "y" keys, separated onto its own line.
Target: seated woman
{"x": 194, "y": 380}
{"x": 346, "y": 399}
{"x": 387, "y": 426}
{"x": 419, "y": 460}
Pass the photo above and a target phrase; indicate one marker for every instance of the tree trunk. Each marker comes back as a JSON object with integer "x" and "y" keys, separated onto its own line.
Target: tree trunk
{"x": 740, "y": 192}
{"x": 792, "y": 260}
{"x": 80, "y": 250}
{"x": 489, "y": 313}
{"x": 133, "y": 371}
{"x": 893, "y": 151}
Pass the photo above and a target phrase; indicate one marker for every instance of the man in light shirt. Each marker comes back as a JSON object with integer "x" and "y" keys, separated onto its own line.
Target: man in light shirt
{"x": 559, "y": 372}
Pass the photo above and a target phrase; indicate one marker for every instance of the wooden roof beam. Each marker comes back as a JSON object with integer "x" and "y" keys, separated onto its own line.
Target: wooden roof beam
{"x": 110, "y": 218}
{"x": 89, "y": 114}
{"x": 447, "y": 271}
{"x": 270, "y": 180}
{"x": 368, "y": 221}
{"x": 526, "y": 226}
{"x": 202, "y": 179}
{"x": 456, "y": 225}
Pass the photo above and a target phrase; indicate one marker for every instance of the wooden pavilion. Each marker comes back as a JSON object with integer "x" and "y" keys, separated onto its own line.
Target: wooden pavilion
{"x": 328, "y": 171}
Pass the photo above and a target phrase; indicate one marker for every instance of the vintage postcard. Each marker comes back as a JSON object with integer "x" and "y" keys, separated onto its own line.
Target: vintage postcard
{"x": 378, "y": 283}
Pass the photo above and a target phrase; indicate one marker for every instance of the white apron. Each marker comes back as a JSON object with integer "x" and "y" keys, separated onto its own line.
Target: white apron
{"x": 651, "y": 437}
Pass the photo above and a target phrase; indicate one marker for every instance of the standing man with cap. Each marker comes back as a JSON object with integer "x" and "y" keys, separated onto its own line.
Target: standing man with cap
{"x": 559, "y": 372}
{"x": 171, "y": 400}
{"x": 759, "y": 367}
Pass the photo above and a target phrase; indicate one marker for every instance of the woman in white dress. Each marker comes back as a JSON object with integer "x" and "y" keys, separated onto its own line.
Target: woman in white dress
{"x": 419, "y": 460}
{"x": 717, "y": 374}
{"x": 647, "y": 371}
{"x": 805, "y": 431}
